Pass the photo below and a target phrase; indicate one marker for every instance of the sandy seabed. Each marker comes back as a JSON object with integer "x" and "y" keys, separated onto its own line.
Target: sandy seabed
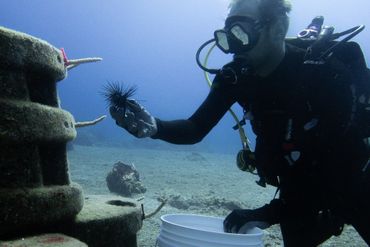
{"x": 193, "y": 182}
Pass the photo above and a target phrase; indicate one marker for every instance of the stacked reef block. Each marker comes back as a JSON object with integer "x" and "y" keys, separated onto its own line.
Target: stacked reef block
{"x": 36, "y": 193}
{"x": 35, "y": 189}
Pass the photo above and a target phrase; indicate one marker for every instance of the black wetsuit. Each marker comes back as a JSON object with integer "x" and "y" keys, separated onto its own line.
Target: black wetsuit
{"x": 305, "y": 110}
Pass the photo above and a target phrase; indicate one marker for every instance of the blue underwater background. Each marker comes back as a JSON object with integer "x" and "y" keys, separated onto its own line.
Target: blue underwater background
{"x": 152, "y": 44}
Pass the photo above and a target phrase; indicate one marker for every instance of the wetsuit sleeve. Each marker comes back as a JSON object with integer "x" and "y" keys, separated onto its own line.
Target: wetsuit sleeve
{"x": 195, "y": 128}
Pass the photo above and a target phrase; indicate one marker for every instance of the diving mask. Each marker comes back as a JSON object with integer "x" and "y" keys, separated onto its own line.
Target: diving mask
{"x": 241, "y": 34}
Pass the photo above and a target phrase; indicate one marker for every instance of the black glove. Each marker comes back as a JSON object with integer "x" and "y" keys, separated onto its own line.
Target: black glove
{"x": 135, "y": 119}
{"x": 248, "y": 218}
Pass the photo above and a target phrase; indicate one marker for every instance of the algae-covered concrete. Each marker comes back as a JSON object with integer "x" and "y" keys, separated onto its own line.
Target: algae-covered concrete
{"x": 36, "y": 193}
{"x": 106, "y": 221}
{"x": 44, "y": 240}
{"x": 32, "y": 208}
{"x": 23, "y": 52}
{"x": 35, "y": 187}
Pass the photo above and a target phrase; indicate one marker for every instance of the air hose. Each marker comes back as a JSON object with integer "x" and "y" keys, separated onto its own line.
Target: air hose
{"x": 243, "y": 137}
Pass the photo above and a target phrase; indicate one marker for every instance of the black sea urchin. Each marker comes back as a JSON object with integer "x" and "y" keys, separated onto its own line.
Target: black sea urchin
{"x": 116, "y": 94}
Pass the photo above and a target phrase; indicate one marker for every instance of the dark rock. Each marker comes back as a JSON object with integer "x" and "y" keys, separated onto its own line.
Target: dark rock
{"x": 124, "y": 180}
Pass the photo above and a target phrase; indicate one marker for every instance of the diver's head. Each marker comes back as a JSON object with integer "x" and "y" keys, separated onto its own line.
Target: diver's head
{"x": 254, "y": 28}
{"x": 272, "y": 10}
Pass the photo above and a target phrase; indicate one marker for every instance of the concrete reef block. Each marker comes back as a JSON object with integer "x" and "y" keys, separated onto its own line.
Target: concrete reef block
{"x": 54, "y": 163}
{"x": 22, "y": 52}
{"x": 44, "y": 240}
{"x": 13, "y": 85}
{"x": 19, "y": 165}
{"x": 22, "y": 121}
{"x": 106, "y": 221}
{"x": 23, "y": 210}
{"x": 23, "y": 85}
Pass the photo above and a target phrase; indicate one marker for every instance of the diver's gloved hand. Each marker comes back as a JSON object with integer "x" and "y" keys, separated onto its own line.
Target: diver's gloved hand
{"x": 240, "y": 220}
{"x": 135, "y": 119}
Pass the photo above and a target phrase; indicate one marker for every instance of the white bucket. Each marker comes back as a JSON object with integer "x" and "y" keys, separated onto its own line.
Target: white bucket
{"x": 188, "y": 230}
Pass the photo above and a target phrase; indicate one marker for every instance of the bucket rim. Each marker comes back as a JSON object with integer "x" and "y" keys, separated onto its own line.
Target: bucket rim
{"x": 163, "y": 219}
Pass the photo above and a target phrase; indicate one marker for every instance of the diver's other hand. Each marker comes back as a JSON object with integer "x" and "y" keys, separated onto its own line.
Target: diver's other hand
{"x": 136, "y": 119}
{"x": 240, "y": 220}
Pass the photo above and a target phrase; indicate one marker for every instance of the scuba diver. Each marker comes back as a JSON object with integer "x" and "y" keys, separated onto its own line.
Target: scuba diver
{"x": 307, "y": 100}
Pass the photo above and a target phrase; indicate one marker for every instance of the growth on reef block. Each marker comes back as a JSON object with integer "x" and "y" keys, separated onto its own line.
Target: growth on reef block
{"x": 35, "y": 188}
